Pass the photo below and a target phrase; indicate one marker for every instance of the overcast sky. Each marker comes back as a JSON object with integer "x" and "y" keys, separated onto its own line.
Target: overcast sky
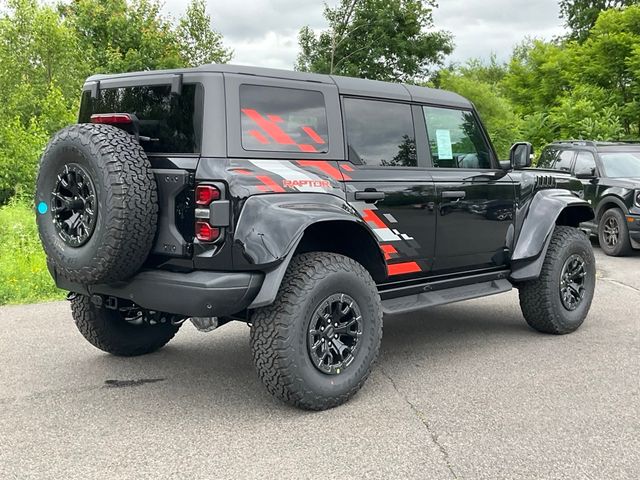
{"x": 264, "y": 32}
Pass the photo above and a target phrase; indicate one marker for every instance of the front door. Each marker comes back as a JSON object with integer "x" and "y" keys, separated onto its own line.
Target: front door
{"x": 387, "y": 184}
{"x": 585, "y": 166}
{"x": 475, "y": 198}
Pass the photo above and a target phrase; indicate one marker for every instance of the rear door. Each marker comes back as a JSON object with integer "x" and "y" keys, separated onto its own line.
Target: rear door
{"x": 388, "y": 182}
{"x": 475, "y": 198}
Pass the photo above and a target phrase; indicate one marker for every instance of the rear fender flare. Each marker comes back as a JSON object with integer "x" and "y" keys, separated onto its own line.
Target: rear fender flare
{"x": 270, "y": 227}
{"x": 547, "y": 209}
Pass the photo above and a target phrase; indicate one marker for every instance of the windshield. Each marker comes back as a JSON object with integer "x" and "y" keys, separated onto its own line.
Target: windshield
{"x": 621, "y": 164}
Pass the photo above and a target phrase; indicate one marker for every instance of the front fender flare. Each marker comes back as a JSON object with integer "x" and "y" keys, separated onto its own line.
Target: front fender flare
{"x": 547, "y": 209}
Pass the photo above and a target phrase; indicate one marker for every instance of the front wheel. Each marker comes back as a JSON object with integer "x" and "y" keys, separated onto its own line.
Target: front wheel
{"x": 559, "y": 300}
{"x": 315, "y": 345}
{"x": 613, "y": 233}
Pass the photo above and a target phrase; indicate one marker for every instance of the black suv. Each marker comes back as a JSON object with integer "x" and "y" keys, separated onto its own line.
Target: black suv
{"x": 304, "y": 205}
{"x": 610, "y": 172}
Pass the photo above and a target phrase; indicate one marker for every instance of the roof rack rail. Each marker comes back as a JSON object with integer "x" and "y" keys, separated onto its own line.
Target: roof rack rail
{"x": 590, "y": 143}
{"x": 595, "y": 143}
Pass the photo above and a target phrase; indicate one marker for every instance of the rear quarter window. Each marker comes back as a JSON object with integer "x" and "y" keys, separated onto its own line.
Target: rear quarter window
{"x": 173, "y": 123}
{"x": 278, "y": 119}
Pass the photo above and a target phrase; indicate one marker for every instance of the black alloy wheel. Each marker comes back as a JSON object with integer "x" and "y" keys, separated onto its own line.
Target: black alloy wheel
{"x": 334, "y": 330}
{"x": 314, "y": 346}
{"x": 73, "y": 205}
{"x": 572, "y": 282}
{"x": 559, "y": 300}
{"x": 611, "y": 232}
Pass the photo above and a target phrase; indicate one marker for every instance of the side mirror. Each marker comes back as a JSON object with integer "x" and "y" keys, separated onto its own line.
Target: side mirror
{"x": 521, "y": 155}
{"x": 586, "y": 174}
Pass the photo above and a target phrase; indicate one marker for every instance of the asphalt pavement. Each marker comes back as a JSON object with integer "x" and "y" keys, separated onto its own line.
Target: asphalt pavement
{"x": 462, "y": 391}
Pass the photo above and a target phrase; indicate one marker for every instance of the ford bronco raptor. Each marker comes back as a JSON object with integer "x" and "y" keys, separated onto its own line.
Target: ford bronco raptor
{"x": 610, "y": 173}
{"x": 304, "y": 205}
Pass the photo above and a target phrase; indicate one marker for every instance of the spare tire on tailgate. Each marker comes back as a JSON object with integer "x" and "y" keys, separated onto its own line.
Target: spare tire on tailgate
{"x": 96, "y": 203}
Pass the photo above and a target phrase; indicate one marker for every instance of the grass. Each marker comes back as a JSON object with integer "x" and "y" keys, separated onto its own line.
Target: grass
{"x": 24, "y": 277}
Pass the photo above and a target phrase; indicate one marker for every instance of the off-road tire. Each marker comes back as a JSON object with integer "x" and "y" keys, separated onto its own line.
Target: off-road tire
{"x": 279, "y": 331}
{"x": 107, "y": 330}
{"x": 623, "y": 248}
{"x": 540, "y": 300}
{"x": 126, "y": 203}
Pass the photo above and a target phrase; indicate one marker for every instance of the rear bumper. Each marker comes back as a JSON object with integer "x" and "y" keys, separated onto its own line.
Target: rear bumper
{"x": 194, "y": 294}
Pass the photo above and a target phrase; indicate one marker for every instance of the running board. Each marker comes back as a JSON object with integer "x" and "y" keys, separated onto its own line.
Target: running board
{"x": 419, "y": 301}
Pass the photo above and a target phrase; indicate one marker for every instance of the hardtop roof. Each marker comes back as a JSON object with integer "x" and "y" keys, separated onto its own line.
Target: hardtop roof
{"x": 345, "y": 85}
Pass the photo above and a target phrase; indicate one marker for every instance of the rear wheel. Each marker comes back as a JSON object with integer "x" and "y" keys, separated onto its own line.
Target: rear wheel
{"x": 315, "y": 345}
{"x": 126, "y": 332}
{"x": 613, "y": 233}
{"x": 559, "y": 300}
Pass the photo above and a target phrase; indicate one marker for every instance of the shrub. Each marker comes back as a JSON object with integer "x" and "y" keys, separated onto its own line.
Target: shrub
{"x": 24, "y": 276}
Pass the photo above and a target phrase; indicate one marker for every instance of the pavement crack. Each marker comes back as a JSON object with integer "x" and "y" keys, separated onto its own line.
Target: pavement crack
{"x": 621, "y": 284}
{"x": 423, "y": 419}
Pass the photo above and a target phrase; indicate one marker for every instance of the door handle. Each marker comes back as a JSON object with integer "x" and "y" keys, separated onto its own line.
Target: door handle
{"x": 369, "y": 196}
{"x": 454, "y": 194}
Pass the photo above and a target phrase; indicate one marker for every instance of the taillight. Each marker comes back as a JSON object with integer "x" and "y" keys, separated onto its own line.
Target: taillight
{"x": 205, "y": 194}
{"x": 205, "y": 232}
{"x": 112, "y": 118}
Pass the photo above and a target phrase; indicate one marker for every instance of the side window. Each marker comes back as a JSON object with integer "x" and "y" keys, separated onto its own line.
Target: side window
{"x": 455, "y": 139}
{"x": 564, "y": 161}
{"x": 279, "y": 119}
{"x": 548, "y": 157}
{"x": 585, "y": 164}
{"x": 380, "y": 133}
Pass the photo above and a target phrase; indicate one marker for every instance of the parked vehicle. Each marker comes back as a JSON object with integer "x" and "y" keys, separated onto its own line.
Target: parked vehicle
{"x": 304, "y": 205}
{"x": 610, "y": 172}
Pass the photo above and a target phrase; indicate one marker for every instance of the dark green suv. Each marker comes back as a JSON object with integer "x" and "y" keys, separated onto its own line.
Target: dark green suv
{"x": 610, "y": 172}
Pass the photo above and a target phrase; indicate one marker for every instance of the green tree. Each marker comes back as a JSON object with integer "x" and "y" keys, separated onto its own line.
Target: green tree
{"x": 39, "y": 83}
{"x": 581, "y": 15}
{"x": 122, "y": 36}
{"x": 538, "y": 74}
{"x": 199, "y": 42}
{"x": 391, "y": 40}
{"x": 610, "y": 59}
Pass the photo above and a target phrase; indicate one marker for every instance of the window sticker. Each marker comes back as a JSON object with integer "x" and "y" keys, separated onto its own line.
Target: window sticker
{"x": 443, "y": 139}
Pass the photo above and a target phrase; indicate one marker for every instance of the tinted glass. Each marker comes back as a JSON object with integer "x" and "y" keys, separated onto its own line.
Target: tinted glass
{"x": 283, "y": 119}
{"x": 548, "y": 157}
{"x": 585, "y": 164}
{"x": 455, "y": 139}
{"x": 380, "y": 133}
{"x": 621, "y": 164}
{"x": 564, "y": 161}
{"x": 172, "y": 123}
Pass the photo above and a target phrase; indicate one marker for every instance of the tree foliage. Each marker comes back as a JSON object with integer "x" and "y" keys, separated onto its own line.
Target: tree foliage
{"x": 392, "y": 40}
{"x": 581, "y": 15}
{"x": 199, "y": 42}
{"x": 588, "y": 89}
{"x": 47, "y": 50}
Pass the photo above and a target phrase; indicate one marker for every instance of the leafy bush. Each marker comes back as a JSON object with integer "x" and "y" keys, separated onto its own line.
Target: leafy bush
{"x": 23, "y": 272}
